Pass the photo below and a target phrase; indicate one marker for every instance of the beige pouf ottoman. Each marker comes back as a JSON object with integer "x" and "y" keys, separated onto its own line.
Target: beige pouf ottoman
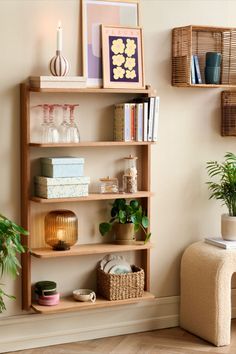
{"x": 205, "y": 299}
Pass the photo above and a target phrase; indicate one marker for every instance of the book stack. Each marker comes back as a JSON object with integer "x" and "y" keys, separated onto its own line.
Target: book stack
{"x": 60, "y": 82}
{"x": 62, "y": 177}
{"x": 219, "y": 242}
{"x": 137, "y": 121}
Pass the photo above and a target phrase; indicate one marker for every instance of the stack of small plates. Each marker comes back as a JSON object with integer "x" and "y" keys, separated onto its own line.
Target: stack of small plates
{"x": 115, "y": 264}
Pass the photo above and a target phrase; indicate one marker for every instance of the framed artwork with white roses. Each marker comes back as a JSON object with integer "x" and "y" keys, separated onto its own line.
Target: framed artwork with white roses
{"x": 122, "y": 57}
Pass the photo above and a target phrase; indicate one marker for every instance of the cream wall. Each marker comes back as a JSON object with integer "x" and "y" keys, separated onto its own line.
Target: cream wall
{"x": 189, "y": 130}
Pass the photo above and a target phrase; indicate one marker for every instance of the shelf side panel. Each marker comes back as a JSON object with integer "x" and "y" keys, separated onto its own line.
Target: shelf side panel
{"x": 146, "y": 185}
{"x": 25, "y": 205}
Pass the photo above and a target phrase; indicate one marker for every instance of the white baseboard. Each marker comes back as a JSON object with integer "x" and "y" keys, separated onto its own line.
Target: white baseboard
{"x": 33, "y": 330}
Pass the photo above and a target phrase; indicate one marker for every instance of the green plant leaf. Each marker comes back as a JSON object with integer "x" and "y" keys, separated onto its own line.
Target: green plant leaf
{"x": 104, "y": 228}
{"x": 134, "y": 204}
{"x": 136, "y": 227}
{"x": 224, "y": 187}
{"x": 114, "y": 211}
{"x": 122, "y": 216}
{"x": 147, "y": 237}
{"x": 145, "y": 221}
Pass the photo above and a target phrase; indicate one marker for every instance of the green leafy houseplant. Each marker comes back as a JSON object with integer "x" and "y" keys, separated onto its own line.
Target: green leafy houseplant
{"x": 10, "y": 246}
{"x": 225, "y": 188}
{"x": 124, "y": 213}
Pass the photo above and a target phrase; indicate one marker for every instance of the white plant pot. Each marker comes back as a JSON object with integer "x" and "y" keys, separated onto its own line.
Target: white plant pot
{"x": 228, "y": 227}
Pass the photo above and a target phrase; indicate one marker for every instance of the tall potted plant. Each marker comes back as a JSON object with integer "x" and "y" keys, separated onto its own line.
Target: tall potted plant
{"x": 126, "y": 220}
{"x": 225, "y": 189}
{"x": 10, "y": 246}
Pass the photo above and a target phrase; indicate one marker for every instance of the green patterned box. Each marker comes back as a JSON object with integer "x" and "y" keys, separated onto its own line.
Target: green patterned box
{"x": 70, "y": 187}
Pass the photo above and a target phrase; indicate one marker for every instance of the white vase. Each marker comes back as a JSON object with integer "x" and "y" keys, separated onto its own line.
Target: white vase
{"x": 228, "y": 227}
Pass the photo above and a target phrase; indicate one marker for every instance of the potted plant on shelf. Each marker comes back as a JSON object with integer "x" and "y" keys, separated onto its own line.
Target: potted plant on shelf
{"x": 126, "y": 220}
{"x": 225, "y": 189}
{"x": 10, "y": 246}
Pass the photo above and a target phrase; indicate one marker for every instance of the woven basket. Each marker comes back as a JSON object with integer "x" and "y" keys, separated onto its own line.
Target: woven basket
{"x": 228, "y": 113}
{"x": 121, "y": 286}
{"x": 190, "y": 40}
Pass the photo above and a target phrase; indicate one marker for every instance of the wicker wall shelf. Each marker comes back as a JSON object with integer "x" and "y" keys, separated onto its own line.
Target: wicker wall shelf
{"x": 191, "y": 40}
{"x": 228, "y": 113}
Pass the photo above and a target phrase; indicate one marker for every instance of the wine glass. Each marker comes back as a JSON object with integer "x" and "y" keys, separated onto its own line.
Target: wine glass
{"x": 64, "y": 125}
{"x": 52, "y": 133}
{"x": 44, "y": 126}
{"x": 73, "y": 135}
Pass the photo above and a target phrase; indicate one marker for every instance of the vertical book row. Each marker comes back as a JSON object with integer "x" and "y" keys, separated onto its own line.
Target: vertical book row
{"x": 137, "y": 121}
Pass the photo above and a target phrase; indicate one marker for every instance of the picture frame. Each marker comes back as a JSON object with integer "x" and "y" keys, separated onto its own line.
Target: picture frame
{"x": 94, "y": 14}
{"x": 123, "y": 59}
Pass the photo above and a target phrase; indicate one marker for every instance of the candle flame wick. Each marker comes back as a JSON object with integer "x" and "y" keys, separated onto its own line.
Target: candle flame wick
{"x": 59, "y": 24}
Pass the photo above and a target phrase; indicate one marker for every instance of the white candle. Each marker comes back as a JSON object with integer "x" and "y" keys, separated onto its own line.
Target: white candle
{"x": 59, "y": 36}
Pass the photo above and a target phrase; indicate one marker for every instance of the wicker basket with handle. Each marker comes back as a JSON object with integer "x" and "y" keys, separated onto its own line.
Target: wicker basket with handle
{"x": 121, "y": 286}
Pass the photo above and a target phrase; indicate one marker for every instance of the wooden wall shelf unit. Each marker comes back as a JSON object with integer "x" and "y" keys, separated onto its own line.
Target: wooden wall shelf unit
{"x": 28, "y": 201}
{"x": 191, "y": 40}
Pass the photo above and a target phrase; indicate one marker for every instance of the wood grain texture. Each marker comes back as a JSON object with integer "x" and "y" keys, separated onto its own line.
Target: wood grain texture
{"x": 97, "y": 248}
{"x": 70, "y": 305}
{"x": 25, "y": 205}
{"x": 93, "y": 144}
{"x": 144, "y": 91}
{"x": 163, "y": 341}
{"x": 93, "y": 197}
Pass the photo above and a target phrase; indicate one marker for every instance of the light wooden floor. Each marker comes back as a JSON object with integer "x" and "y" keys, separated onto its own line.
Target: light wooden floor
{"x": 165, "y": 341}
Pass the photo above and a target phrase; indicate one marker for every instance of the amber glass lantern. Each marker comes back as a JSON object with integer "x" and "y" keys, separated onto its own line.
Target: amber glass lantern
{"x": 61, "y": 229}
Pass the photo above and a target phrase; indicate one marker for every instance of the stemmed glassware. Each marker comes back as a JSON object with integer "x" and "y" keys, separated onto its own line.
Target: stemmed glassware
{"x": 64, "y": 125}
{"x": 73, "y": 135}
{"x": 66, "y": 132}
{"x": 53, "y": 133}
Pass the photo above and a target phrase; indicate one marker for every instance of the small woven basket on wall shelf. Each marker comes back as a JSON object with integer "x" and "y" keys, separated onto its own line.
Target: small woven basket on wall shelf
{"x": 228, "y": 113}
{"x": 191, "y": 40}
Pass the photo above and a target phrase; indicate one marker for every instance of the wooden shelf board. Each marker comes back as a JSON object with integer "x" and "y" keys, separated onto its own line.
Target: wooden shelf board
{"x": 93, "y": 144}
{"x": 69, "y": 304}
{"x": 95, "y": 248}
{"x": 147, "y": 90}
{"x": 93, "y": 197}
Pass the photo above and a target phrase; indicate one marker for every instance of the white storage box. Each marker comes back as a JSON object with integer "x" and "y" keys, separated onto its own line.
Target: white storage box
{"x": 62, "y": 166}
{"x": 72, "y": 187}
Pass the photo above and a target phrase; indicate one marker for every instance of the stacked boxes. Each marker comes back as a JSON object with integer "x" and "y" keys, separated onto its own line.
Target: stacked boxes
{"x": 62, "y": 177}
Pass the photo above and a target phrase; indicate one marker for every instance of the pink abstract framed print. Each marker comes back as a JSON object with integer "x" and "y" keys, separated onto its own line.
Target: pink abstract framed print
{"x": 106, "y": 12}
{"x": 122, "y": 54}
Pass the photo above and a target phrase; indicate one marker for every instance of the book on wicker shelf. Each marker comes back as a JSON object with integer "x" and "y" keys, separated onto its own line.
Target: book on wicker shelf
{"x": 197, "y": 70}
{"x": 137, "y": 121}
{"x": 219, "y": 242}
{"x": 193, "y": 74}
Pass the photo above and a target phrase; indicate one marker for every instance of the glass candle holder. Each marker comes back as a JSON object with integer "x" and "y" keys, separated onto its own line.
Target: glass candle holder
{"x": 130, "y": 183}
{"x": 61, "y": 229}
{"x": 109, "y": 185}
{"x": 131, "y": 165}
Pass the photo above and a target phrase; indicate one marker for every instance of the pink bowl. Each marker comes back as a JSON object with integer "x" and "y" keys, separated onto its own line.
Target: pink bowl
{"x": 50, "y": 300}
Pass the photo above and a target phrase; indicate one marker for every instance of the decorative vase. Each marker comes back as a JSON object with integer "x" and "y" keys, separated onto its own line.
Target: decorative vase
{"x": 59, "y": 65}
{"x": 124, "y": 233}
{"x": 228, "y": 227}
